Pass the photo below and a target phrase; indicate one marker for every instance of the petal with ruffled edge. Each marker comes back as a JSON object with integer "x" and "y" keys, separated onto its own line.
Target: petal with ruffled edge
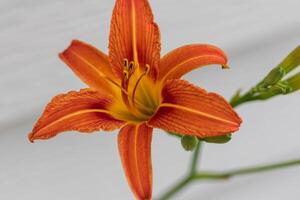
{"x": 186, "y": 58}
{"x": 134, "y": 36}
{"x": 83, "y": 111}
{"x": 135, "y": 151}
{"x": 187, "y": 109}
{"x": 90, "y": 65}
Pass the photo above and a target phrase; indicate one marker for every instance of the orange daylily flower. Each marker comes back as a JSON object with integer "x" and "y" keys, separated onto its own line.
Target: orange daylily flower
{"x": 134, "y": 89}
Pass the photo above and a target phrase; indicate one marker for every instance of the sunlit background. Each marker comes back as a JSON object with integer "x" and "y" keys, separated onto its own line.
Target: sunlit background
{"x": 255, "y": 34}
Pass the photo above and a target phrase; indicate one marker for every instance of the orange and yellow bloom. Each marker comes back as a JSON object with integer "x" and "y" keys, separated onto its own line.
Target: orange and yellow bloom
{"x": 134, "y": 89}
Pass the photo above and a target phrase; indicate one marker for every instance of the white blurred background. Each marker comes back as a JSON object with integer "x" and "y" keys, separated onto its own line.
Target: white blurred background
{"x": 256, "y": 34}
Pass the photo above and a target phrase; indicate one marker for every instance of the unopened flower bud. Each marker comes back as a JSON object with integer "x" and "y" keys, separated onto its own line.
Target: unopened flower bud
{"x": 273, "y": 77}
{"x": 189, "y": 143}
{"x": 291, "y": 61}
{"x": 294, "y": 82}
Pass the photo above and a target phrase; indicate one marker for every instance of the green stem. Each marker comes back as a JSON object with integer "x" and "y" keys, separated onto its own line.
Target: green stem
{"x": 248, "y": 96}
{"x": 187, "y": 179}
{"x": 206, "y": 175}
{"x": 176, "y": 188}
{"x": 245, "y": 171}
{"x": 195, "y": 159}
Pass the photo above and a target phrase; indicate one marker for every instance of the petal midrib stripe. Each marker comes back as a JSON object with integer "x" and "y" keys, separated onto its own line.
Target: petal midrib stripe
{"x": 198, "y": 113}
{"x": 95, "y": 69}
{"x": 136, "y": 135}
{"x": 134, "y": 33}
{"x": 184, "y": 62}
{"x": 88, "y": 63}
{"x": 72, "y": 115}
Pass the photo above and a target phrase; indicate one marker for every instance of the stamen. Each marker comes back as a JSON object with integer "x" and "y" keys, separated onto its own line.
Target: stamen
{"x": 131, "y": 64}
{"x": 115, "y": 83}
{"x": 128, "y": 70}
{"x": 131, "y": 67}
{"x": 125, "y": 64}
{"x": 147, "y": 69}
{"x": 126, "y": 75}
{"x": 225, "y": 66}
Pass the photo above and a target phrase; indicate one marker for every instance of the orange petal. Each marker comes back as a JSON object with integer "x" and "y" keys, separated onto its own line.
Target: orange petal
{"x": 83, "y": 111}
{"x": 89, "y": 64}
{"x": 187, "y": 109}
{"x": 135, "y": 151}
{"x": 134, "y": 36}
{"x": 186, "y": 58}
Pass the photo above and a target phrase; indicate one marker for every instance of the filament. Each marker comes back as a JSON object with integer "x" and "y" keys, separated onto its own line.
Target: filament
{"x": 138, "y": 82}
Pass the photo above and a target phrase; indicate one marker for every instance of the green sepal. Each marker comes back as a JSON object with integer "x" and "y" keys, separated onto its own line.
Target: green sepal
{"x": 174, "y": 134}
{"x": 218, "y": 139}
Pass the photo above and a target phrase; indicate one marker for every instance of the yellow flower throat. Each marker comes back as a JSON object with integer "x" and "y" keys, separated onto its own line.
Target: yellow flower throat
{"x": 139, "y": 97}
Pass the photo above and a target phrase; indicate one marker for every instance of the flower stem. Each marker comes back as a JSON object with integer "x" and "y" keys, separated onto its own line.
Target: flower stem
{"x": 195, "y": 159}
{"x": 206, "y": 175}
{"x": 176, "y": 188}
{"x": 248, "y": 96}
{"x": 245, "y": 171}
{"x": 188, "y": 178}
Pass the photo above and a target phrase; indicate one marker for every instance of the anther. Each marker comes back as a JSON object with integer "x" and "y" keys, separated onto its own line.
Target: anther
{"x": 225, "y": 66}
{"x": 126, "y": 75}
{"x": 125, "y": 63}
{"x": 131, "y": 66}
{"x": 147, "y": 69}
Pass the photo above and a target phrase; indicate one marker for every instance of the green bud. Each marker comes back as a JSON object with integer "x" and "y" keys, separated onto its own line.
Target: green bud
{"x": 218, "y": 139}
{"x": 294, "y": 82}
{"x": 273, "y": 77}
{"x": 291, "y": 61}
{"x": 189, "y": 143}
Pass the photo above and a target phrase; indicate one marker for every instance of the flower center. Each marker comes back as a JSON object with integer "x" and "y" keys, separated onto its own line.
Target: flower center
{"x": 138, "y": 93}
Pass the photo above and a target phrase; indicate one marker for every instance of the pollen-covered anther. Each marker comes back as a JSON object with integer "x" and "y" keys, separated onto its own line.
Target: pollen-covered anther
{"x": 125, "y": 64}
{"x": 128, "y": 68}
{"x": 225, "y": 66}
{"x": 126, "y": 75}
{"x": 147, "y": 69}
{"x": 131, "y": 67}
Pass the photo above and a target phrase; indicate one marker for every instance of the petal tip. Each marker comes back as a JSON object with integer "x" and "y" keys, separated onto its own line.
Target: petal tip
{"x": 72, "y": 43}
{"x": 238, "y": 123}
{"x": 31, "y": 137}
{"x": 61, "y": 55}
